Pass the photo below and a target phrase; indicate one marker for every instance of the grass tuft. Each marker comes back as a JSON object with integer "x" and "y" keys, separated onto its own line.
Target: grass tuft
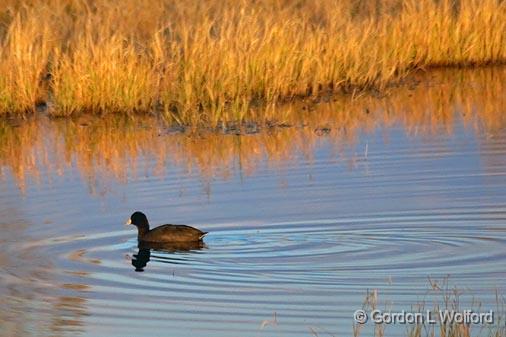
{"x": 213, "y": 62}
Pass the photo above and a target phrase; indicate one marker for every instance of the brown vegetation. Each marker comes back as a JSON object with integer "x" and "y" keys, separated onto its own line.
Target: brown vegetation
{"x": 212, "y": 62}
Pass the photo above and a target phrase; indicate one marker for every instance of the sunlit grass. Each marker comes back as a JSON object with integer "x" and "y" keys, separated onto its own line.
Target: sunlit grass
{"x": 212, "y": 62}
{"x": 24, "y": 53}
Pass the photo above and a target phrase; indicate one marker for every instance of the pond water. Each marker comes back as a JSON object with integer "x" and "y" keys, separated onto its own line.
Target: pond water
{"x": 398, "y": 195}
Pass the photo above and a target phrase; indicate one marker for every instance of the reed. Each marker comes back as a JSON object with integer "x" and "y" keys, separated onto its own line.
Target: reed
{"x": 24, "y": 52}
{"x": 214, "y": 62}
{"x": 440, "y": 298}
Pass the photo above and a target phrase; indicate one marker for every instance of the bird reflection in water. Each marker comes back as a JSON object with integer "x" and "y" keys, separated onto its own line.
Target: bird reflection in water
{"x": 141, "y": 259}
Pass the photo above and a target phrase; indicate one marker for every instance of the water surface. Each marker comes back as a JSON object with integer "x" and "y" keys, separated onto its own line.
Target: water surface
{"x": 387, "y": 194}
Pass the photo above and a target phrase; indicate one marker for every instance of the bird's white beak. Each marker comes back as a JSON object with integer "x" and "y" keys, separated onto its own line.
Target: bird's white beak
{"x": 129, "y": 222}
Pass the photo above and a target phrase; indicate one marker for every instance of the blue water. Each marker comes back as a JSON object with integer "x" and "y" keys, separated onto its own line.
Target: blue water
{"x": 294, "y": 246}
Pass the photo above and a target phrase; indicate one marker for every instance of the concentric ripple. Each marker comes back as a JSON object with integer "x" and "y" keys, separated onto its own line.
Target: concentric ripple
{"x": 294, "y": 245}
{"x": 310, "y": 273}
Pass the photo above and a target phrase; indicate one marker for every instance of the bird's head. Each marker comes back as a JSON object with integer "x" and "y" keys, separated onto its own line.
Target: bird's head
{"x": 138, "y": 219}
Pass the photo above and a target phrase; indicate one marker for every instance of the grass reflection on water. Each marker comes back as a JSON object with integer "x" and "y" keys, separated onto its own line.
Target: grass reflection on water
{"x": 110, "y": 147}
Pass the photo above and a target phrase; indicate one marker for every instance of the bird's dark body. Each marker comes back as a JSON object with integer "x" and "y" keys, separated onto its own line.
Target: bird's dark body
{"x": 172, "y": 233}
{"x": 164, "y": 233}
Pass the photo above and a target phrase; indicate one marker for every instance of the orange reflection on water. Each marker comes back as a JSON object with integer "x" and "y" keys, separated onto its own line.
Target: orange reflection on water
{"x": 119, "y": 147}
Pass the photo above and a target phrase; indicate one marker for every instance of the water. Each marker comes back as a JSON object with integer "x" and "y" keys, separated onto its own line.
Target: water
{"x": 391, "y": 194}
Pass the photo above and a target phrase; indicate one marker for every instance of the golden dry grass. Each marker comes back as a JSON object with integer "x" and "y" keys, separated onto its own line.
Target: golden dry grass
{"x": 212, "y": 62}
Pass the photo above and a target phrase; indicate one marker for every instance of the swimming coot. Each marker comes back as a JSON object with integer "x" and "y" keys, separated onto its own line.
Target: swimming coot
{"x": 164, "y": 233}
